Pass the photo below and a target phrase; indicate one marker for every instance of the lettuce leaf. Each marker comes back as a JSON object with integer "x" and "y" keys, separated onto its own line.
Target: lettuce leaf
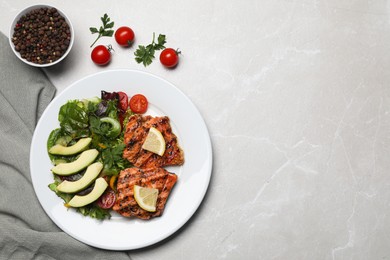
{"x": 73, "y": 118}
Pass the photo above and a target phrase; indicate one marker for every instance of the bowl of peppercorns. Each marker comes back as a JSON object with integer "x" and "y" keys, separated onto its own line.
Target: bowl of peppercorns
{"x": 41, "y": 35}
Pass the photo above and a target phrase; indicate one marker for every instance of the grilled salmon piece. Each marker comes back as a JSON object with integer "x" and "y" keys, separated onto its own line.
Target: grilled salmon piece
{"x": 135, "y": 134}
{"x": 157, "y": 178}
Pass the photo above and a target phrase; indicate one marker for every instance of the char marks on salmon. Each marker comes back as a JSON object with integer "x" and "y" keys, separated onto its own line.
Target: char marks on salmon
{"x": 157, "y": 178}
{"x": 136, "y": 131}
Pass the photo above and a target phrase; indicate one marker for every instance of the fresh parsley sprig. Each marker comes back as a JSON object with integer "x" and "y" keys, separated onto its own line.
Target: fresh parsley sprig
{"x": 104, "y": 30}
{"x": 145, "y": 55}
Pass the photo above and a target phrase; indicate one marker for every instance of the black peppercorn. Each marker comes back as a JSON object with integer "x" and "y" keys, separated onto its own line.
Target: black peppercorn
{"x": 38, "y": 33}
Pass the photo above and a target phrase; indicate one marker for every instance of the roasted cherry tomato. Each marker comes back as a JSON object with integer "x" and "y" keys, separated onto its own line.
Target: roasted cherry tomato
{"x": 138, "y": 104}
{"x": 124, "y": 36}
{"x": 169, "y": 57}
{"x": 101, "y": 55}
{"x": 107, "y": 200}
{"x": 123, "y": 101}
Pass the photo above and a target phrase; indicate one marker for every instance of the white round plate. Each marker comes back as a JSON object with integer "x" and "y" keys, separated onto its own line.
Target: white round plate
{"x": 120, "y": 233}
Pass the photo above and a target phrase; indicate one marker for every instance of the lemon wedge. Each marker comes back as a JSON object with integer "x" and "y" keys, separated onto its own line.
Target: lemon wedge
{"x": 154, "y": 142}
{"x": 146, "y": 197}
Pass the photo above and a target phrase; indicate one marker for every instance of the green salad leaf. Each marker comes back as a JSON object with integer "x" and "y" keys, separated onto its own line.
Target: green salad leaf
{"x": 98, "y": 119}
{"x": 73, "y": 119}
{"x": 113, "y": 161}
{"x": 58, "y": 136}
{"x": 94, "y": 212}
{"x": 65, "y": 196}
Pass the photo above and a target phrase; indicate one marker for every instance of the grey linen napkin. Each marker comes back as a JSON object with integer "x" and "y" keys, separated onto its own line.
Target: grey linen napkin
{"x": 26, "y": 232}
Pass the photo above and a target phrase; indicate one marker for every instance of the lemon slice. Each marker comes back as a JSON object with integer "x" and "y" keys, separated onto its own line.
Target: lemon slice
{"x": 146, "y": 197}
{"x": 154, "y": 142}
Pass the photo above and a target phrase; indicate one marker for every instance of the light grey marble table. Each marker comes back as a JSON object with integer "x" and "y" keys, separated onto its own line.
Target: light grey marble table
{"x": 296, "y": 96}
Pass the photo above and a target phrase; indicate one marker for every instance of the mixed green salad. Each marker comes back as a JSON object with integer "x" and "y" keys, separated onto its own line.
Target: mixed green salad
{"x": 101, "y": 119}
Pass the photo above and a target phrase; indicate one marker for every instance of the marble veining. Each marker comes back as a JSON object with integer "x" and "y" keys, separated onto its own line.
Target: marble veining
{"x": 296, "y": 97}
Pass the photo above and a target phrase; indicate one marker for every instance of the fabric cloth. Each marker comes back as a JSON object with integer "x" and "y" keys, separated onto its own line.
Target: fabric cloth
{"x": 26, "y": 232}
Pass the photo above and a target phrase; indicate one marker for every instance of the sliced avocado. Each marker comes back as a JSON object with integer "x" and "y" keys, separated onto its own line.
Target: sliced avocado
{"x": 89, "y": 176}
{"x": 98, "y": 190}
{"x": 81, "y": 145}
{"x": 86, "y": 158}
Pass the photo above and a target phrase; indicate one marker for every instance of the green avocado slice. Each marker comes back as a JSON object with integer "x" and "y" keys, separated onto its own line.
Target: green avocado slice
{"x": 81, "y": 145}
{"x": 86, "y": 158}
{"x": 89, "y": 176}
{"x": 97, "y": 191}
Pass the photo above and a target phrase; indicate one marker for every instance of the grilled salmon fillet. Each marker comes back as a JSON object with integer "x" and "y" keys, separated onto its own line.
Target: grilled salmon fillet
{"x": 157, "y": 178}
{"x": 136, "y": 131}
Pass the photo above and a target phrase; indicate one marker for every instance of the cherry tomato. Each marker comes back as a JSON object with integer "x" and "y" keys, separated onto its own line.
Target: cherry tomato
{"x": 169, "y": 57}
{"x": 121, "y": 118}
{"x": 101, "y": 55}
{"x": 124, "y": 36}
{"x": 107, "y": 200}
{"x": 138, "y": 104}
{"x": 123, "y": 101}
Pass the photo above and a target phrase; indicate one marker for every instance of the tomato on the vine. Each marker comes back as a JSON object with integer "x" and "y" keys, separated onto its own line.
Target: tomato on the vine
{"x": 169, "y": 57}
{"x": 124, "y": 36}
{"x": 101, "y": 55}
{"x": 138, "y": 104}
